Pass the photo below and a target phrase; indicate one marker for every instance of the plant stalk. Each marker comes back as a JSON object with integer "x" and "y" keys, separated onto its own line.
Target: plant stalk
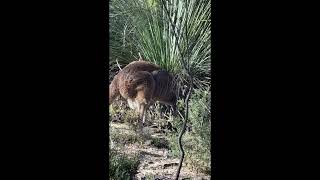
{"x": 184, "y": 128}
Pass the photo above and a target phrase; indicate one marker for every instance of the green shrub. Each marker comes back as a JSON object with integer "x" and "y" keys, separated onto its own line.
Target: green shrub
{"x": 120, "y": 112}
{"x": 121, "y": 167}
{"x": 197, "y": 141}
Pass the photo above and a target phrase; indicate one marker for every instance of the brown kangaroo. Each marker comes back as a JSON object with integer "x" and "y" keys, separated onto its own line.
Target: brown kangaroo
{"x": 142, "y": 83}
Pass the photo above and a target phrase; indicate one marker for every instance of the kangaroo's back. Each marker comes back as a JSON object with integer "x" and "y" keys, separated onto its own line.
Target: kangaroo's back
{"x": 136, "y": 66}
{"x": 132, "y": 78}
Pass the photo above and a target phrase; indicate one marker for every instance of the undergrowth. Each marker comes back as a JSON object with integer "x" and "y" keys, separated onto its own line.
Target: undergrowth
{"x": 196, "y": 140}
{"x": 122, "y": 167}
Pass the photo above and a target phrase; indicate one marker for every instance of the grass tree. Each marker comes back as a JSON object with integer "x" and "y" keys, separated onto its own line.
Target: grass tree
{"x": 144, "y": 26}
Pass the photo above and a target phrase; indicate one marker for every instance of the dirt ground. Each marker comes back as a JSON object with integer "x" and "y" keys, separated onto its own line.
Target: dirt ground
{"x": 154, "y": 163}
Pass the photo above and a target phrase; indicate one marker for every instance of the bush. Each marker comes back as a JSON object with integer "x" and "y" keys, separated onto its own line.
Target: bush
{"x": 121, "y": 167}
{"x": 120, "y": 112}
{"x": 196, "y": 141}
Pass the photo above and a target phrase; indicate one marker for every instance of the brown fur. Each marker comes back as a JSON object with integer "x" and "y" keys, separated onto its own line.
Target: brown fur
{"x": 135, "y": 77}
{"x": 142, "y": 83}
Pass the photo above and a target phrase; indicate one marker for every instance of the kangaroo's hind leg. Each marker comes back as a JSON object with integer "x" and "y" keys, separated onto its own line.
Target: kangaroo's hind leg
{"x": 142, "y": 115}
{"x": 144, "y": 98}
{"x": 142, "y": 111}
{"x": 142, "y": 107}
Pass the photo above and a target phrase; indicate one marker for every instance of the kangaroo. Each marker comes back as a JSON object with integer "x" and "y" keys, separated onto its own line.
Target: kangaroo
{"x": 165, "y": 88}
{"x": 142, "y": 83}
